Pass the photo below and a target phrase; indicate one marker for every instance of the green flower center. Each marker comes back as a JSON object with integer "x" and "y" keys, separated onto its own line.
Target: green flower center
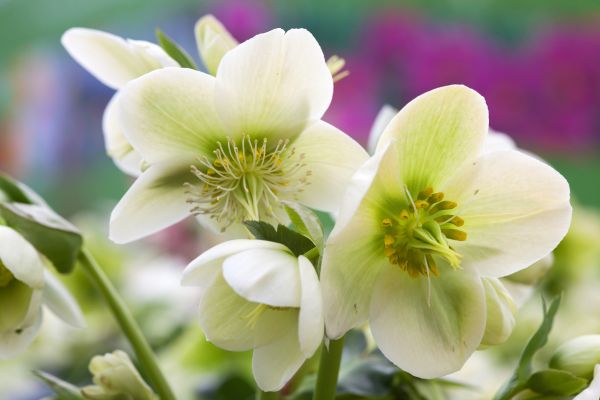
{"x": 245, "y": 181}
{"x": 420, "y": 233}
{"x": 5, "y": 275}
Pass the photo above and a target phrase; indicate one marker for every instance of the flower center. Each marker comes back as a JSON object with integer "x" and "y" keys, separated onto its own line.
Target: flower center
{"x": 5, "y": 275}
{"x": 246, "y": 180}
{"x": 419, "y": 234}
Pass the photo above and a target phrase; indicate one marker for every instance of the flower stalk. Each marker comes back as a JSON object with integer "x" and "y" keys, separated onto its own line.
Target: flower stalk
{"x": 129, "y": 327}
{"x": 329, "y": 368}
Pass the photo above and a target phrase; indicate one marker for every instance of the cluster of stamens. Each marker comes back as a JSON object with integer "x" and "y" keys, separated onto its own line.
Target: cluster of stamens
{"x": 246, "y": 181}
{"x": 419, "y": 233}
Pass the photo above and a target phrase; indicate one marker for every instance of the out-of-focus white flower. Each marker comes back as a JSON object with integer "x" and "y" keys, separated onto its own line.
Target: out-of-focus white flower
{"x": 25, "y": 287}
{"x": 115, "y": 61}
{"x": 257, "y": 295}
{"x": 424, "y": 219}
{"x": 593, "y": 391}
{"x": 116, "y": 378}
{"x": 213, "y": 41}
{"x": 578, "y": 356}
{"x": 500, "y": 313}
{"x": 239, "y": 155}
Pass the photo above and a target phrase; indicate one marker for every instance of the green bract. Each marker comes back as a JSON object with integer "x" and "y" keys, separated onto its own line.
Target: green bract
{"x": 430, "y": 214}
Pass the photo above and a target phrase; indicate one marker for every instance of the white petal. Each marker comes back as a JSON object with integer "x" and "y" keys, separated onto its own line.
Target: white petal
{"x": 213, "y": 41}
{"x": 21, "y": 258}
{"x": 117, "y": 146}
{"x": 332, "y": 157}
{"x": 14, "y": 342}
{"x": 170, "y": 113}
{"x": 58, "y": 299}
{"x": 593, "y": 391}
{"x": 428, "y": 331}
{"x": 274, "y": 364}
{"x": 310, "y": 323}
{"x": 203, "y": 269}
{"x": 111, "y": 59}
{"x": 225, "y": 317}
{"x": 264, "y": 276}
{"x": 496, "y": 141}
{"x": 501, "y": 312}
{"x": 274, "y": 84}
{"x": 155, "y": 201}
{"x": 516, "y": 211}
{"x": 437, "y": 132}
{"x": 383, "y": 118}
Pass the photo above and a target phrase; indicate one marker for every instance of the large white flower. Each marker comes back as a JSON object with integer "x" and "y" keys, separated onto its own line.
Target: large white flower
{"x": 25, "y": 287}
{"x": 424, "y": 219}
{"x": 257, "y": 295}
{"x": 115, "y": 61}
{"x": 240, "y": 142}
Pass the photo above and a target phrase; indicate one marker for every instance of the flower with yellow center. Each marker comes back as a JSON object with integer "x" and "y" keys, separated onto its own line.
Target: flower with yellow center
{"x": 424, "y": 220}
{"x": 232, "y": 147}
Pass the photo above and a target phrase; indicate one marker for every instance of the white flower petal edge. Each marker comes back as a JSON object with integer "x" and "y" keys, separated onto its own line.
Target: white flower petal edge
{"x": 593, "y": 391}
{"x": 13, "y": 343}
{"x": 155, "y": 201}
{"x": 111, "y": 59}
{"x": 289, "y": 80}
{"x": 61, "y": 303}
{"x": 428, "y": 328}
{"x": 382, "y": 119}
{"x": 213, "y": 41}
{"x": 21, "y": 258}
{"x": 311, "y": 322}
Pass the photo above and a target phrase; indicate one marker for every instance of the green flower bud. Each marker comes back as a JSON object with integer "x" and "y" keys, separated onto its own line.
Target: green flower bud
{"x": 532, "y": 274}
{"x": 501, "y": 311}
{"x": 578, "y": 356}
{"x": 116, "y": 378}
{"x": 213, "y": 42}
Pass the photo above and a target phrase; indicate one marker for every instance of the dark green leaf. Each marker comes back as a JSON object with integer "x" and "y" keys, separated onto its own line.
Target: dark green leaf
{"x": 18, "y": 192}
{"x": 519, "y": 378}
{"x": 305, "y": 221}
{"x": 297, "y": 243}
{"x": 48, "y": 232}
{"x": 231, "y": 387}
{"x": 175, "y": 51}
{"x": 64, "y": 390}
{"x": 556, "y": 382}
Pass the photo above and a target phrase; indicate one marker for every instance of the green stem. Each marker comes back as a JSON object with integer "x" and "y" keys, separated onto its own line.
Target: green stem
{"x": 260, "y": 395}
{"x": 329, "y": 368}
{"x": 132, "y": 331}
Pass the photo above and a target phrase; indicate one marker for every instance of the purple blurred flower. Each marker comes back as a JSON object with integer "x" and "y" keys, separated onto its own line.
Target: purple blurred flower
{"x": 243, "y": 18}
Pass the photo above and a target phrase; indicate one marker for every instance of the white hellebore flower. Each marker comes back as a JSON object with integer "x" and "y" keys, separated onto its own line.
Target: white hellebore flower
{"x": 240, "y": 142}
{"x": 257, "y": 295}
{"x": 25, "y": 287}
{"x": 424, "y": 220}
{"x": 115, "y": 61}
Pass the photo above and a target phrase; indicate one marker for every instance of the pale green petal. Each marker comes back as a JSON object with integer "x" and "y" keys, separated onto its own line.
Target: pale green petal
{"x": 14, "y": 342}
{"x": 169, "y": 114}
{"x": 264, "y": 276}
{"x": 428, "y": 328}
{"x": 437, "y": 132}
{"x": 15, "y": 302}
{"x": 274, "y": 84}
{"x": 21, "y": 258}
{"x": 310, "y": 322}
{"x": 383, "y": 118}
{"x": 516, "y": 210}
{"x": 117, "y": 146}
{"x": 225, "y": 317}
{"x": 213, "y": 41}
{"x": 155, "y": 201}
{"x": 112, "y": 59}
{"x": 501, "y": 313}
{"x": 274, "y": 364}
{"x": 332, "y": 157}
{"x": 58, "y": 299}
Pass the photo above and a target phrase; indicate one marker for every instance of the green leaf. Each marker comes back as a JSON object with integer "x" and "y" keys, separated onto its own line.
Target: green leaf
{"x": 175, "y": 51}
{"x": 305, "y": 221}
{"x": 297, "y": 243}
{"x": 64, "y": 390}
{"x": 49, "y": 233}
{"x": 556, "y": 382}
{"x": 518, "y": 380}
{"x": 18, "y": 192}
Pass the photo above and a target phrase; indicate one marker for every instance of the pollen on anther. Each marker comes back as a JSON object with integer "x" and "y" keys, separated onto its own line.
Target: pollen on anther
{"x": 455, "y": 234}
{"x": 388, "y": 240}
{"x": 386, "y": 222}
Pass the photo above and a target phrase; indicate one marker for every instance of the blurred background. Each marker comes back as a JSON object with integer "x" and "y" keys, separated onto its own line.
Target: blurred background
{"x": 537, "y": 63}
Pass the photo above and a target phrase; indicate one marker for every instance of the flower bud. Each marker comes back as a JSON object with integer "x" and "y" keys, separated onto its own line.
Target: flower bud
{"x": 115, "y": 377}
{"x": 578, "y": 356}
{"x": 501, "y": 312}
{"x": 213, "y": 42}
{"x": 532, "y": 274}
